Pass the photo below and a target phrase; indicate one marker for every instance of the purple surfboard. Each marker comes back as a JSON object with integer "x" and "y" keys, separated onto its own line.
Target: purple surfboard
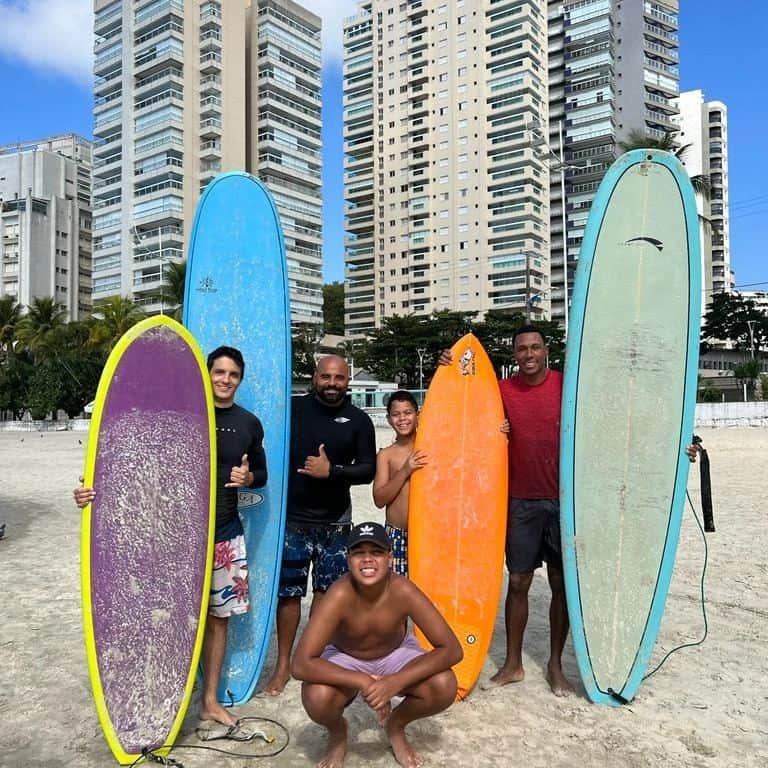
{"x": 148, "y": 536}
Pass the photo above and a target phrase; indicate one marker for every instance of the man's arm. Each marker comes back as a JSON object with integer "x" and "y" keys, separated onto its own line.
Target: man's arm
{"x": 83, "y": 496}
{"x": 307, "y": 664}
{"x": 363, "y": 469}
{"x": 446, "y": 651}
{"x": 257, "y": 458}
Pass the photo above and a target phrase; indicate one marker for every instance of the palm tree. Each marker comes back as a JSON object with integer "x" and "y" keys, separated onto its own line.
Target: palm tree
{"x": 10, "y": 314}
{"x": 110, "y": 319}
{"x": 39, "y": 330}
{"x": 668, "y": 143}
{"x": 172, "y": 288}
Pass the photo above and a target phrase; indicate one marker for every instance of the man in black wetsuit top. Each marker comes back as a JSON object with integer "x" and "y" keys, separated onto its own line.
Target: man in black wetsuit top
{"x": 240, "y": 462}
{"x": 333, "y": 446}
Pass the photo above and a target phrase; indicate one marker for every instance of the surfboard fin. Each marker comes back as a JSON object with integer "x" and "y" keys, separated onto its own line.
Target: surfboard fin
{"x": 617, "y": 696}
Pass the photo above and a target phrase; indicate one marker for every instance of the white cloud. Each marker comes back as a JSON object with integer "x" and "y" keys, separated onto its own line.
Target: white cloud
{"x": 57, "y": 35}
{"x": 332, "y": 12}
{"x": 50, "y": 34}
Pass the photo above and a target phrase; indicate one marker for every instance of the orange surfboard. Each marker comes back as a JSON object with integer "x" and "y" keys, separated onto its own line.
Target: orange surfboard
{"x": 458, "y": 502}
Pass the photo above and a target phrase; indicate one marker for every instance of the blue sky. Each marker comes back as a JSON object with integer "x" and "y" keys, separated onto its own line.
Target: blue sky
{"x": 45, "y": 58}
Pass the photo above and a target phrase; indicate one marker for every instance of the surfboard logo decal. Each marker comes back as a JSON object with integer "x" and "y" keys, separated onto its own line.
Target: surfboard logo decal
{"x": 246, "y": 499}
{"x": 467, "y": 363}
{"x": 652, "y": 240}
{"x": 206, "y": 285}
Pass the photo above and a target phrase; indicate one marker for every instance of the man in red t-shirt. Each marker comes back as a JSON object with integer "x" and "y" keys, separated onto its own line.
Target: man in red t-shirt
{"x": 532, "y": 406}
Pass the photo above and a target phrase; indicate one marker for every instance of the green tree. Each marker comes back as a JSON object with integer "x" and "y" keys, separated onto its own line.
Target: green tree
{"x": 304, "y": 341}
{"x": 333, "y": 308}
{"x": 406, "y": 347}
{"x": 763, "y": 384}
{"x": 44, "y": 389}
{"x": 731, "y": 317}
{"x": 706, "y": 393}
{"x": 110, "y": 319}
{"x": 747, "y": 373}
{"x": 40, "y": 329}
{"x": 14, "y": 378}
{"x": 10, "y": 315}
{"x": 171, "y": 293}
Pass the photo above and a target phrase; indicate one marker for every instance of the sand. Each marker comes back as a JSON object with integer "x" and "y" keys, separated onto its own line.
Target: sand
{"x": 706, "y": 707}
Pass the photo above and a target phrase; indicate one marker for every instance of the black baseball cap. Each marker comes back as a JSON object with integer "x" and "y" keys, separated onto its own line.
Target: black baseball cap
{"x": 371, "y": 532}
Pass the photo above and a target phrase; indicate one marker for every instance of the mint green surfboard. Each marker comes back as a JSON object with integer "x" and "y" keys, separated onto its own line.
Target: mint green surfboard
{"x": 629, "y": 396}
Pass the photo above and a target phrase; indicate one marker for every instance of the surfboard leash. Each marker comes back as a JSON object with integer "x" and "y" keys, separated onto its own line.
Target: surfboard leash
{"x": 703, "y": 600}
{"x": 152, "y": 756}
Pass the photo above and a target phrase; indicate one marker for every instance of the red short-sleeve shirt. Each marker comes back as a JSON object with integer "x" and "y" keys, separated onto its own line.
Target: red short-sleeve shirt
{"x": 534, "y": 438}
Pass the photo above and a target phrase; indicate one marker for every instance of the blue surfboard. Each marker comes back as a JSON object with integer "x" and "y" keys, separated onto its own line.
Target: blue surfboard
{"x": 237, "y": 294}
{"x": 629, "y": 397}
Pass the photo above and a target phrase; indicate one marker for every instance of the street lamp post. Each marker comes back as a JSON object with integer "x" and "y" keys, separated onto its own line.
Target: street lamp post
{"x": 751, "y": 327}
{"x": 420, "y": 351}
{"x": 557, "y": 163}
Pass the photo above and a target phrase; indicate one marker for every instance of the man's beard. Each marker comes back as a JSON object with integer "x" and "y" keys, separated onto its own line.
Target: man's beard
{"x": 333, "y": 397}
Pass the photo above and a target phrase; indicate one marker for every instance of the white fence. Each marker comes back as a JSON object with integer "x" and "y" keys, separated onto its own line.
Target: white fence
{"x": 751, "y": 414}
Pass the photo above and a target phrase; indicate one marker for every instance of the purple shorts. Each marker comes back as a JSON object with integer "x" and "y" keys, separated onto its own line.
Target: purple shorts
{"x": 393, "y": 662}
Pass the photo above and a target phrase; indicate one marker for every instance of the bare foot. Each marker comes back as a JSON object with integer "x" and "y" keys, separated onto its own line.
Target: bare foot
{"x": 337, "y": 747}
{"x": 384, "y": 713}
{"x": 405, "y": 754}
{"x": 505, "y": 676}
{"x": 557, "y": 680}
{"x": 276, "y": 684}
{"x": 212, "y": 710}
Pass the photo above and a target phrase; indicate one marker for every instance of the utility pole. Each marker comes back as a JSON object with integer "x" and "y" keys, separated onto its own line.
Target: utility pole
{"x": 420, "y": 351}
{"x": 751, "y": 327}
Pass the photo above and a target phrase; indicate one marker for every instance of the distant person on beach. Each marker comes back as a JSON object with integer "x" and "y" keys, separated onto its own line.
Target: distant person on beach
{"x": 357, "y": 641}
{"x": 333, "y": 447}
{"x": 394, "y": 466}
{"x": 240, "y": 462}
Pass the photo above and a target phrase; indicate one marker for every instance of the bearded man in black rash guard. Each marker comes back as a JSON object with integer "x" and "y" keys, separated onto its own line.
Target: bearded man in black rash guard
{"x": 333, "y": 446}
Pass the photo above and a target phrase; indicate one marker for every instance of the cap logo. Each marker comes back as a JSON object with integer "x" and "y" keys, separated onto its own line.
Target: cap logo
{"x": 366, "y": 530}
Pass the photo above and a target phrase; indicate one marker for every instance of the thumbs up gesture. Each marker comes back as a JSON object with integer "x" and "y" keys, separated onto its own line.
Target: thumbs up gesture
{"x": 241, "y": 475}
{"x": 317, "y": 466}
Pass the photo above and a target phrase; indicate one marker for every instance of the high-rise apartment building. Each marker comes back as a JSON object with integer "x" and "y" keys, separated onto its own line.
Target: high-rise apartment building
{"x": 613, "y": 69}
{"x": 704, "y": 127}
{"x": 45, "y": 222}
{"x": 285, "y": 133}
{"x": 184, "y": 91}
{"x": 446, "y": 198}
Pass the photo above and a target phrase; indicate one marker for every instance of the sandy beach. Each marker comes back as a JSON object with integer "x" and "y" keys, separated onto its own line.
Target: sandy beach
{"x": 705, "y": 707}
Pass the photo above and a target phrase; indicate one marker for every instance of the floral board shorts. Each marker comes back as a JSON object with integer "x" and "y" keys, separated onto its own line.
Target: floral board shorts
{"x": 229, "y": 582}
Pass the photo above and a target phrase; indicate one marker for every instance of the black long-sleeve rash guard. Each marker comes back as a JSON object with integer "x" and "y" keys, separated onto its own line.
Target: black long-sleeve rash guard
{"x": 238, "y": 432}
{"x": 350, "y": 444}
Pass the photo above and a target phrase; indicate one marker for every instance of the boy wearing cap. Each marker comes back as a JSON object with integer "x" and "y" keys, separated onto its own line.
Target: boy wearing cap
{"x": 394, "y": 466}
{"x": 357, "y": 641}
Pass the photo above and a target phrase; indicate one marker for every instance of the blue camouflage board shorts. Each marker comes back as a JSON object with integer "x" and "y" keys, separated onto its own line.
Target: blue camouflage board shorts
{"x": 324, "y": 547}
{"x": 399, "y": 539}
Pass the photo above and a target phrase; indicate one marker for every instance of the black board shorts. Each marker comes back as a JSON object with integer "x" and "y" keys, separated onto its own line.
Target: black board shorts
{"x": 533, "y": 535}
